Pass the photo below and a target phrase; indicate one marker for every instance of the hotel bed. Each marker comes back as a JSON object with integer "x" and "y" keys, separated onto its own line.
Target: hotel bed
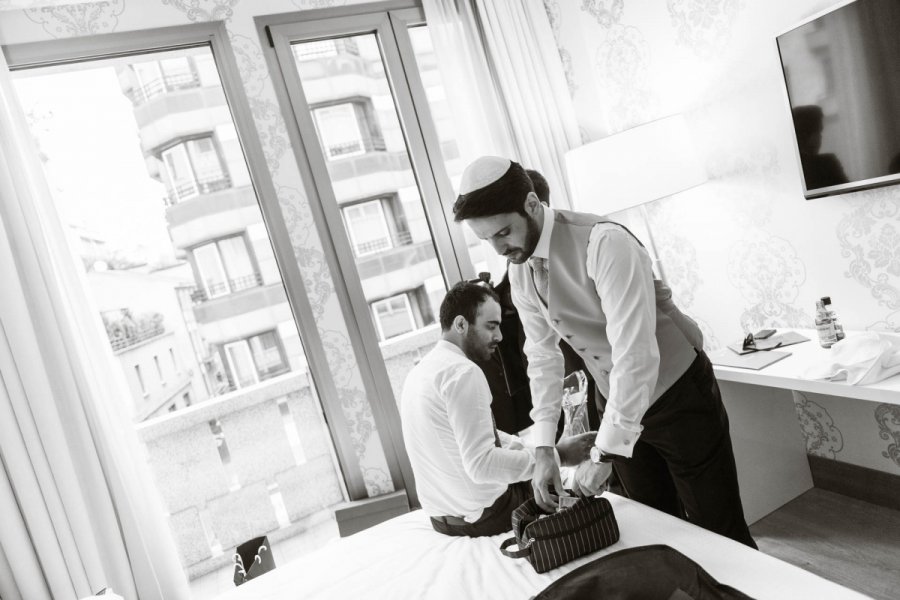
{"x": 405, "y": 558}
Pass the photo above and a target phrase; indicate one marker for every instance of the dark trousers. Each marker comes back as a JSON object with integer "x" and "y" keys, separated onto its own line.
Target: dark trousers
{"x": 683, "y": 462}
{"x": 497, "y": 518}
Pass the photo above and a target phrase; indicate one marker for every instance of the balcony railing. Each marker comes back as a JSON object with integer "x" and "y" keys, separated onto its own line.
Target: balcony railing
{"x": 249, "y": 463}
{"x": 197, "y": 187}
{"x": 125, "y": 330}
{"x": 355, "y": 147}
{"x": 325, "y": 48}
{"x": 223, "y": 288}
{"x": 157, "y": 87}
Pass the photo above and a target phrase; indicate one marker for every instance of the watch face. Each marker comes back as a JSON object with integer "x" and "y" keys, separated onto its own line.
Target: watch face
{"x": 595, "y": 454}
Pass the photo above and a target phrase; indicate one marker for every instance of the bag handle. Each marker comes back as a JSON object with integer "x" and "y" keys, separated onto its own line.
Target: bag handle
{"x": 520, "y": 553}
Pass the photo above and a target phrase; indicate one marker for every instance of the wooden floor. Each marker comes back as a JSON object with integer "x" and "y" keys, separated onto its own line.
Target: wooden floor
{"x": 850, "y": 542}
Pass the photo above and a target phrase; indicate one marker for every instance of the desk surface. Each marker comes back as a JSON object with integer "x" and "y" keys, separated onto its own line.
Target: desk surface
{"x": 785, "y": 374}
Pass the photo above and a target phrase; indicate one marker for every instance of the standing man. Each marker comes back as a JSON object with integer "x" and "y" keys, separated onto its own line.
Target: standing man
{"x": 589, "y": 281}
{"x": 470, "y": 477}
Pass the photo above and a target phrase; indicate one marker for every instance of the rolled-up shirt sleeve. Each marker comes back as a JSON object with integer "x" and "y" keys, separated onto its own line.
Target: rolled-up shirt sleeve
{"x": 623, "y": 277}
{"x": 469, "y": 412}
{"x": 546, "y": 369}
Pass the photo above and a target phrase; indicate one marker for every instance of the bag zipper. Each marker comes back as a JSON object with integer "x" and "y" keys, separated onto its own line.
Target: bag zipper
{"x": 559, "y": 534}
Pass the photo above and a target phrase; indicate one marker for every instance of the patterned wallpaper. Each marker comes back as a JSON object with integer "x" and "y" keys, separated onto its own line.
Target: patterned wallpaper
{"x": 745, "y": 250}
{"x": 51, "y": 19}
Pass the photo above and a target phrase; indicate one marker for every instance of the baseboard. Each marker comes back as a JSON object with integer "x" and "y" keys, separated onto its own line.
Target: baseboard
{"x": 358, "y": 515}
{"x": 862, "y": 483}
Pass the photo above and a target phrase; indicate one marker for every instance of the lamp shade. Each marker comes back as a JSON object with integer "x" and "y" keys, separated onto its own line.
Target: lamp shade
{"x": 638, "y": 165}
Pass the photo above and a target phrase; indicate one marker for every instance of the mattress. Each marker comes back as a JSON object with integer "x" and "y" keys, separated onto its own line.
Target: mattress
{"x": 405, "y": 558}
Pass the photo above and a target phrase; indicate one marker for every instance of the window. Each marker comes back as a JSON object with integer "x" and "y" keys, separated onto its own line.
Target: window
{"x": 368, "y": 227}
{"x": 193, "y": 167}
{"x": 392, "y": 192}
{"x": 255, "y": 359}
{"x": 225, "y": 267}
{"x": 348, "y": 129}
{"x": 155, "y": 254}
{"x": 393, "y": 316}
{"x": 159, "y": 77}
{"x": 159, "y": 372}
{"x": 140, "y": 378}
{"x": 267, "y": 354}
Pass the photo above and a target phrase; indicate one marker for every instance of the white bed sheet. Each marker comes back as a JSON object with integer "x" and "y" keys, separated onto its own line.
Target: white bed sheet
{"x": 405, "y": 558}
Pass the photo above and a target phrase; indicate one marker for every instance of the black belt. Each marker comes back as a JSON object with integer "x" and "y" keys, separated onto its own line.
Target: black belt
{"x": 453, "y": 521}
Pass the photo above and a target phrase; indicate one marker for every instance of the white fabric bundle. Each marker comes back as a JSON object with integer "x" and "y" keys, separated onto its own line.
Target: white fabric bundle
{"x": 860, "y": 359}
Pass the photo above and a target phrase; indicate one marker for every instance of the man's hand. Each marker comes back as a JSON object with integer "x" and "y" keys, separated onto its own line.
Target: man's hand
{"x": 590, "y": 477}
{"x": 546, "y": 474}
{"x": 575, "y": 449}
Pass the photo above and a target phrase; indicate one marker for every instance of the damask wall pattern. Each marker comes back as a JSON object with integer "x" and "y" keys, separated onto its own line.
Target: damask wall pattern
{"x": 37, "y": 22}
{"x": 745, "y": 250}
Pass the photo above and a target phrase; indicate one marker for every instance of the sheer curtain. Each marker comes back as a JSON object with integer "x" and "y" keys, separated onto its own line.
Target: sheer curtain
{"x": 515, "y": 101}
{"x": 79, "y": 509}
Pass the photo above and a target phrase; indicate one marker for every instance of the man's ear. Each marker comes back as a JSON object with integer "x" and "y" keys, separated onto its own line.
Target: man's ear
{"x": 532, "y": 204}
{"x": 460, "y": 324}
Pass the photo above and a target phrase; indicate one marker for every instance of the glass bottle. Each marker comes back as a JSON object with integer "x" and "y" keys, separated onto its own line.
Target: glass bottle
{"x": 824, "y": 326}
{"x": 829, "y": 309}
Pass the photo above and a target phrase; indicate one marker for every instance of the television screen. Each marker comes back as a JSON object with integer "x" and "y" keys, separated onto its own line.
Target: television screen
{"x": 842, "y": 73}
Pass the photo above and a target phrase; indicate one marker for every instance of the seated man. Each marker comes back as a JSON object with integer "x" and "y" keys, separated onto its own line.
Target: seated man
{"x": 469, "y": 477}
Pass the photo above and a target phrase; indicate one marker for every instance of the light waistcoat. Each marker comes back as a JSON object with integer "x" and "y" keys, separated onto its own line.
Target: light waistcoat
{"x": 575, "y": 311}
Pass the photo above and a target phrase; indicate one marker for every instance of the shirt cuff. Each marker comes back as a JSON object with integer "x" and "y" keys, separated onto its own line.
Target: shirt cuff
{"x": 544, "y": 434}
{"x": 616, "y": 440}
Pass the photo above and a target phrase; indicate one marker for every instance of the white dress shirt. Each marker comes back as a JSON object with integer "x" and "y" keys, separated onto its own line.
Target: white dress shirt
{"x": 620, "y": 269}
{"x": 445, "y": 409}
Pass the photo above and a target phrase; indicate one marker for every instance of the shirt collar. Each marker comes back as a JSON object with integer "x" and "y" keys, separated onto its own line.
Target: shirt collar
{"x": 451, "y": 347}
{"x": 542, "y": 250}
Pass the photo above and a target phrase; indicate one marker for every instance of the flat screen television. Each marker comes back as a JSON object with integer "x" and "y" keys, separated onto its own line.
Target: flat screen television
{"x": 842, "y": 74}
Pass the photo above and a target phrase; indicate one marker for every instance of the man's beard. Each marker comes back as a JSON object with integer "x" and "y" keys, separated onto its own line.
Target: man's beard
{"x": 532, "y": 236}
{"x": 474, "y": 350}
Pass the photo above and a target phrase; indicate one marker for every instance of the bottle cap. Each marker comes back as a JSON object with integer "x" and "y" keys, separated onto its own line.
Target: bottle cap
{"x": 826, "y": 299}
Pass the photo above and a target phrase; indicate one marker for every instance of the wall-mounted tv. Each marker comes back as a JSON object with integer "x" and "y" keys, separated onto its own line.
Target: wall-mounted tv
{"x": 842, "y": 74}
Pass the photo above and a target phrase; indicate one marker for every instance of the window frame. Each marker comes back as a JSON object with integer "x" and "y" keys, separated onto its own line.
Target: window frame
{"x": 383, "y": 221}
{"x": 407, "y": 306}
{"x": 216, "y": 37}
{"x": 276, "y": 34}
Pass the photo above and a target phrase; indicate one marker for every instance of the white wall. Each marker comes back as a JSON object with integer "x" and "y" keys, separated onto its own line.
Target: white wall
{"x": 745, "y": 250}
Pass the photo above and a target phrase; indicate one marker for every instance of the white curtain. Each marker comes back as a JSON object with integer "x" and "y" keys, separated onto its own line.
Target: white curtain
{"x": 505, "y": 84}
{"x": 78, "y": 508}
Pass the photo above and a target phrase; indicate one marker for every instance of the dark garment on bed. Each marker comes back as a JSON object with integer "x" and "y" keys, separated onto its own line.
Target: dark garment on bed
{"x": 683, "y": 463}
{"x": 497, "y": 518}
{"x": 644, "y": 573}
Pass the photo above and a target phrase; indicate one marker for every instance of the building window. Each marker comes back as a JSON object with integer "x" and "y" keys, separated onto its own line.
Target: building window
{"x": 140, "y": 378}
{"x": 159, "y": 369}
{"x": 193, "y": 167}
{"x": 175, "y": 368}
{"x": 224, "y": 267}
{"x": 368, "y": 227}
{"x": 393, "y": 316}
{"x": 159, "y": 77}
{"x": 348, "y": 129}
{"x": 254, "y": 359}
{"x": 186, "y": 398}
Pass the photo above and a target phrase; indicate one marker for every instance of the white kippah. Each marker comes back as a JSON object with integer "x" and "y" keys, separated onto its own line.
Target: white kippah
{"x": 483, "y": 171}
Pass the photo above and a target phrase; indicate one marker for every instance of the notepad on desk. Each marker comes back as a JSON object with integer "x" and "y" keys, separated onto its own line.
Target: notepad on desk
{"x": 752, "y": 360}
{"x": 776, "y": 341}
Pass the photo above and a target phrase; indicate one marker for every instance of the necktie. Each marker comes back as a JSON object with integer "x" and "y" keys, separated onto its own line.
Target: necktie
{"x": 541, "y": 277}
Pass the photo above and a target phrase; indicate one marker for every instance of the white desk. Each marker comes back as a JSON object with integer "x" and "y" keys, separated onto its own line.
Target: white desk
{"x": 769, "y": 448}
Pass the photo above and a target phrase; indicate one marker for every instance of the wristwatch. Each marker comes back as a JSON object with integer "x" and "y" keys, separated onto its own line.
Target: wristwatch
{"x": 597, "y": 455}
